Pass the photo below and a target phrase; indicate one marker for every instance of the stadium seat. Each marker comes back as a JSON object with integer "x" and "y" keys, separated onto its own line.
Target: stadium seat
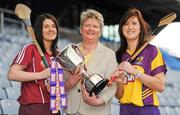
{"x": 2, "y": 94}
{"x": 162, "y": 111}
{"x": 4, "y": 82}
{"x": 15, "y": 84}
{"x": 177, "y": 110}
{"x": 9, "y": 107}
{"x": 163, "y": 101}
{"x": 0, "y": 111}
{"x": 178, "y": 101}
{"x": 115, "y": 109}
{"x": 115, "y": 101}
{"x": 12, "y": 92}
{"x": 170, "y": 111}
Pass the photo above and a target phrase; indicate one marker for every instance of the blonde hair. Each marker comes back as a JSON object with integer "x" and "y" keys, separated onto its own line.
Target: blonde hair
{"x": 90, "y": 13}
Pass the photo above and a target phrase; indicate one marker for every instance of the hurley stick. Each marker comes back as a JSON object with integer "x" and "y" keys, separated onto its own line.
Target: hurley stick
{"x": 23, "y": 12}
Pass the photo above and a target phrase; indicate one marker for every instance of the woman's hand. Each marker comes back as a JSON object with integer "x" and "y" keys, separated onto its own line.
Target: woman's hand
{"x": 45, "y": 73}
{"x": 118, "y": 77}
{"x": 74, "y": 79}
{"x": 91, "y": 100}
{"x": 127, "y": 67}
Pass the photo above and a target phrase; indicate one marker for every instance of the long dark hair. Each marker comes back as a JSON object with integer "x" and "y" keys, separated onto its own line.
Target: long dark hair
{"x": 144, "y": 32}
{"x": 38, "y": 27}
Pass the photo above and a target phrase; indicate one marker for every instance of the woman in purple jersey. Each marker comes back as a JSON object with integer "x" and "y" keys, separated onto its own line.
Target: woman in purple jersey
{"x": 145, "y": 77}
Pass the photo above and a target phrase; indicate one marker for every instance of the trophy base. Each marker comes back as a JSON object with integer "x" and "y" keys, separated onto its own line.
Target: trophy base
{"x": 98, "y": 87}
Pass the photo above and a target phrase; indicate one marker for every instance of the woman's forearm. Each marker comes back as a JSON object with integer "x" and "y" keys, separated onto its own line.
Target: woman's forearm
{"x": 155, "y": 83}
{"x": 119, "y": 91}
{"x": 16, "y": 73}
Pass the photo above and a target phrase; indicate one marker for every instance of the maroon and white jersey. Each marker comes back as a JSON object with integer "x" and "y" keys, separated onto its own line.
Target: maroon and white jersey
{"x": 32, "y": 91}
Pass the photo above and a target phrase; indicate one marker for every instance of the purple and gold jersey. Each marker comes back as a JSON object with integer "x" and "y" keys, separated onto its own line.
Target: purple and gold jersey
{"x": 150, "y": 62}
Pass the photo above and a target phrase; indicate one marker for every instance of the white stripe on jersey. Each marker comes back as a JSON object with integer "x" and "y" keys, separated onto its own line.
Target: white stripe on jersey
{"x": 22, "y": 53}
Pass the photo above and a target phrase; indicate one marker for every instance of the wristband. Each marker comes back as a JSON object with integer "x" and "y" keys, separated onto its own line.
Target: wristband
{"x": 138, "y": 74}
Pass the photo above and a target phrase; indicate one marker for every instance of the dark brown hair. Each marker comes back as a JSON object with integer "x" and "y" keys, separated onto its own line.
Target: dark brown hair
{"x": 38, "y": 27}
{"x": 144, "y": 31}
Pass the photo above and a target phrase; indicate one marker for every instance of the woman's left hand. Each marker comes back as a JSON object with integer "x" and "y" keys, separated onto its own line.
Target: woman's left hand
{"x": 91, "y": 100}
{"x": 127, "y": 67}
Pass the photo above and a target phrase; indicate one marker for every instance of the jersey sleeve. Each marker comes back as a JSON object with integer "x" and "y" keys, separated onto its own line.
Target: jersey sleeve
{"x": 157, "y": 62}
{"x": 24, "y": 56}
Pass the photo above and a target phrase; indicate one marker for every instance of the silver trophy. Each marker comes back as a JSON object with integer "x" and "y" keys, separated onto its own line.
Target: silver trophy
{"x": 71, "y": 58}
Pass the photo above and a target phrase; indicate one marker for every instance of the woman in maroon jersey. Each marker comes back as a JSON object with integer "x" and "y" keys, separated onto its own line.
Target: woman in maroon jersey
{"x": 28, "y": 69}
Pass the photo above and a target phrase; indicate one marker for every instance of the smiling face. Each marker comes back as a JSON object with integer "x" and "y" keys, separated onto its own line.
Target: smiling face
{"x": 49, "y": 30}
{"x": 131, "y": 29}
{"x": 90, "y": 30}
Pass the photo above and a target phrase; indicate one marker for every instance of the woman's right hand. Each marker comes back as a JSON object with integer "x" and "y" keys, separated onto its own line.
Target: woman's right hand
{"x": 73, "y": 79}
{"x": 118, "y": 76}
{"x": 46, "y": 73}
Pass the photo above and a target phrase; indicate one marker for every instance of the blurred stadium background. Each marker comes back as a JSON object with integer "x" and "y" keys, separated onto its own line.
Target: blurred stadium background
{"x": 13, "y": 36}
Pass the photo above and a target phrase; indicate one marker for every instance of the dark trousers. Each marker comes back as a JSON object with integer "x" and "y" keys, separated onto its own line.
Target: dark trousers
{"x": 36, "y": 109}
{"x": 130, "y": 109}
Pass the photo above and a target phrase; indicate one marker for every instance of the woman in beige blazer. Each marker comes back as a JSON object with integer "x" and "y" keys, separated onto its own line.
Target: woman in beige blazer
{"x": 98, "y": 59}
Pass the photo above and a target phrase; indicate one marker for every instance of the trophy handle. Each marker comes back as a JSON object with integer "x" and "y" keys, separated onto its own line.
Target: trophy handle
{"x": 78, "y": 51}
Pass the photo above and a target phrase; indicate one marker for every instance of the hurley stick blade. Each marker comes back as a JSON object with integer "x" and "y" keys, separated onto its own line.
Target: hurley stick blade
{"x": 162, "y": 23}
{"x": 22, "y": 11}
{"x": 167, "y": 19}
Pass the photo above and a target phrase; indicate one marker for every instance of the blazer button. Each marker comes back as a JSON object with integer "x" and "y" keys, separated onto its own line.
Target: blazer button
{"x": 79, "y": 90}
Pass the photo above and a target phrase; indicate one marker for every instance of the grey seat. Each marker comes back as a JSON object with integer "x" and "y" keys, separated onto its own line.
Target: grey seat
{"x": 0, "y": 111}
{"x": 170, "y": 110}
{"x": 2, "y": 94}
{"x": 178, "y": 102}
{"x": 9, "y": 107}
{"x": 162, "y": 111}
{"x": 115, "y": 101}
{"x": 115, "y": 109}
{"x": 172, "y": 102}
{"x": 15, "y": 84}
{"x": 177, "y": 110}
{"x": 12, "y": 92}
{"x": 4, "y": 82}
{"x": 164, "y": 101}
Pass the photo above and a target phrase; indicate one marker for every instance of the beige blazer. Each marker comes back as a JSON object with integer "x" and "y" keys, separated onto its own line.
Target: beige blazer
{"x": 104, "y": 63}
